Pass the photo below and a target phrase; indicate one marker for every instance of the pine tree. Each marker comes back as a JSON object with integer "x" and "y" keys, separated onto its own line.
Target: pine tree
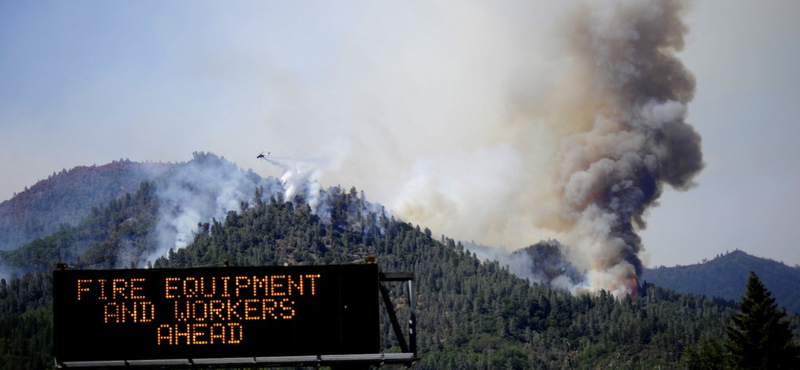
{"x": 759, "y": 338}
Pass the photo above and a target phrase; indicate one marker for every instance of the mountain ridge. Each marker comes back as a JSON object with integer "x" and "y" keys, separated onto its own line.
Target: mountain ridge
{"x": 725, "y": 277}
{"x": 66, "y": 197}
{"x": 27, "y": 213}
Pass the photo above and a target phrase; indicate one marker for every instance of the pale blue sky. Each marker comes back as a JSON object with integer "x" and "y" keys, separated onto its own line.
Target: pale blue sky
{"x": 386, "y": 90}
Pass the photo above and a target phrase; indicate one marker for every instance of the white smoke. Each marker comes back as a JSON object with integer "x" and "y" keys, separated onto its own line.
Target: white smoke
{"x": 437, "y": 188}
{"x": 517, "y": 264}
{"x": 300, "y": 178}
{"x": 208, "y": 187}
{"x": 200, "y": 191}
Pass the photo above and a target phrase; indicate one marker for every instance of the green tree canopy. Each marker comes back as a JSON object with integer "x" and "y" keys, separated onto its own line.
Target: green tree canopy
{"x": 760, "y": 338}
{"x": 709, "y": 354}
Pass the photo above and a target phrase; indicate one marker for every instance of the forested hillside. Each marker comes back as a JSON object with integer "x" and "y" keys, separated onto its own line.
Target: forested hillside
{"x": 137, "y": 226}
{"x": 115, "y": 236}
{"x": 66, "y": 198}
{"x": 472, "y": 314}
{"x": 726, "y": 276}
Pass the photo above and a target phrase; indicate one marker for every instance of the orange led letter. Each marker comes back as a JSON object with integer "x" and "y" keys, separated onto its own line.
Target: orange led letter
{"x": 167, "y": 289}
{"x": 82, "y": 289}
{"x": 219, "y": 335}
{"x": 120, "y": 289}
{"x": 313, "y": 286}
{"x": 161, "y": 336}
{"x": 134, "y": 288}
{"x": 275, "y": 285}
{"x": 240, "y": 285}
{"x": 235, "y": 339}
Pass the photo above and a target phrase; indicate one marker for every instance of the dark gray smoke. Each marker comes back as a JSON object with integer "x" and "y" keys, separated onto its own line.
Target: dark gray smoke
{"x": 636, "y": 138}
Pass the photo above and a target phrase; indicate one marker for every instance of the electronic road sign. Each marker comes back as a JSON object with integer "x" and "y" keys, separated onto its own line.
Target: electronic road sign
{"x": 227, "y": 312}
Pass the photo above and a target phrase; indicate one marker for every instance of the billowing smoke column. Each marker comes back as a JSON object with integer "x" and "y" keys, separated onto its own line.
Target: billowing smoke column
{"x": 465, "y": 143}
{"x": 636, "y": 138}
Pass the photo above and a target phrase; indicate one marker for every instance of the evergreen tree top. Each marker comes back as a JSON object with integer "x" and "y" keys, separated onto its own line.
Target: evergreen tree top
{"x": 759, "y": 337}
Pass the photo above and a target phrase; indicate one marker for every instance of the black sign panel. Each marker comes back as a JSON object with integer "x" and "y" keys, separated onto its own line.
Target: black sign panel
{"x": 102, "y": 315}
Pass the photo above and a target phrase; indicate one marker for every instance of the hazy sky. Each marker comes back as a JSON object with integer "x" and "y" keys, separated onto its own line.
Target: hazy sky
{"x": 397, "y": 97}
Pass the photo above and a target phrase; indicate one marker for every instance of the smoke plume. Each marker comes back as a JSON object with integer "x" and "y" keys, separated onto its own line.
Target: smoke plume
{"x": 590, "y": 136}
{"x": 502, "y": 124}
{"x": 299, "y": 178}
{"x": 208, "y": 187}
{"x": 636, "y": 139}
{"x": 202, "y": 190}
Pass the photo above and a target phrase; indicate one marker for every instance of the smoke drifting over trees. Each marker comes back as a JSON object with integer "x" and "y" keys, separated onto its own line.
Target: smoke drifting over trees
{"x": 583, "y": 162}
{"x": 504, "y": 124}
{"x": 512, "y": 124}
